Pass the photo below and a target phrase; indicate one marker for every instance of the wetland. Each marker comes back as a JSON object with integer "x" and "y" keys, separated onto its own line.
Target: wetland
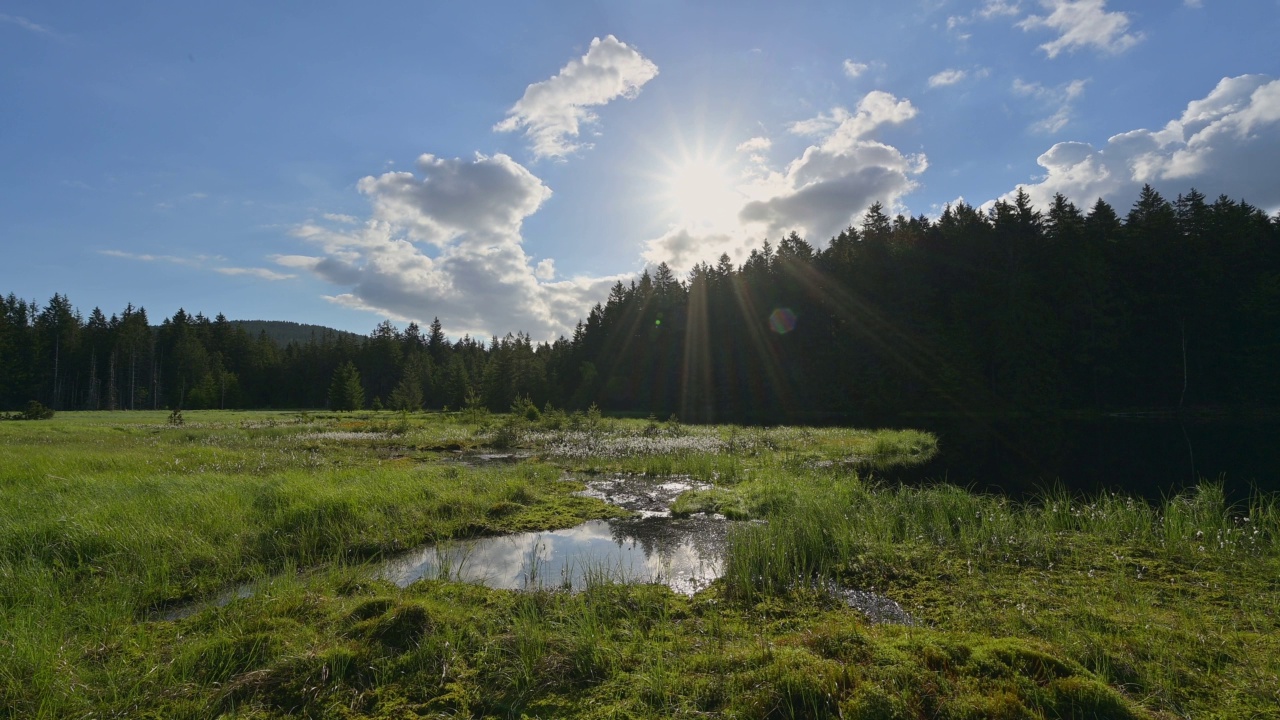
{"x": 367, "y": 565}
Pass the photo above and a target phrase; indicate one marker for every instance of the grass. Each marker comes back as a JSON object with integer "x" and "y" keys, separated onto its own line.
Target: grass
{"x": 1060, "y": 607}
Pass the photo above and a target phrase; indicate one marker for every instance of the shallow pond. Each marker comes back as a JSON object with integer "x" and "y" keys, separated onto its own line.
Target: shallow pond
{"x": 684, "y": 553}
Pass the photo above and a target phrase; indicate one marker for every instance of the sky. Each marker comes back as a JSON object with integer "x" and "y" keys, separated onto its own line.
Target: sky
{"x": 500, "y": 165}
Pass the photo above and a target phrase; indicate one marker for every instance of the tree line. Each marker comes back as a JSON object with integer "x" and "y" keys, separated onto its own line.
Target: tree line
{"x": 1173, "y": 306}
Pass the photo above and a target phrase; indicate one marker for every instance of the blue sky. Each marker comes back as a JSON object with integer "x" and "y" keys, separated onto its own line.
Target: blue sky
{"x": 500, "y": 165}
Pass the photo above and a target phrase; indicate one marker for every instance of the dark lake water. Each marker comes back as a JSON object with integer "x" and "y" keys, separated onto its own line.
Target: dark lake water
{"x": 1144, "y": 457}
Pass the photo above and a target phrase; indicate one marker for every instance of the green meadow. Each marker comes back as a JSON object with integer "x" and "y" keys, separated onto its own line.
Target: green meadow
{"x": 227, "y": 567}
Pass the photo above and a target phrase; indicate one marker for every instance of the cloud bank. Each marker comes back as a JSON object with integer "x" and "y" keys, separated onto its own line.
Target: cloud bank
{"x": 1228, "y": 142}
{"x": 478, "y": 279}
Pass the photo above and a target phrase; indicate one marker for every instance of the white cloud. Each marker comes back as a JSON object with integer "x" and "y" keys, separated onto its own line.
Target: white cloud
{"x": 478, "y": 278}
{"x": 820, "y": 125}
{"x": 817, "y": 195}
{"x": 755, "y": 145}
{"x": 998, "y": 8}
{"x": 841, "y": 127}
{"x": 261, "y": 273}
{"x": 854, "y": 69}
{"x": 1227, "y": 142}
{"x": 989, "y": 10}
{"x": 487, "y": 196}
{"x": 146, "y": 257}
{"x": 947, "y": 77}
{"x": 26, "y": 24}
{"x": 546, "y": 270}
{"x": 303, "y": 262}
{"x": 1060, "y": 98}
{"x": 552, "y": 112}
{"x": 1082, "y": 23}
{"x": 340, "y": 218}
{"x": 199, "y": 261}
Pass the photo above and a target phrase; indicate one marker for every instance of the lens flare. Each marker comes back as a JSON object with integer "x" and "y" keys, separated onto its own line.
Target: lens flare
{"x": 782, "y": 321}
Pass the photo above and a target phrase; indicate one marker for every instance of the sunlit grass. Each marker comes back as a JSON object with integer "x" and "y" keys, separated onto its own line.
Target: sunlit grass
{"x": 1065, "y": 606}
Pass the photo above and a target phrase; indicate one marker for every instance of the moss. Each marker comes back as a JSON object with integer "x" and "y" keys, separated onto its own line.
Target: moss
{"x": 717, "y": 500}
{"x": 399, "y": 628}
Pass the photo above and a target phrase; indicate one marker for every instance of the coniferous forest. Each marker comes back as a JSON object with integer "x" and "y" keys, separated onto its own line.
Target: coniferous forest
{"x": 1165, "y": 306}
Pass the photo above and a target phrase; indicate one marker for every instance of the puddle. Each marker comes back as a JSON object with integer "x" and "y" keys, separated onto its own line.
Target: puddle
{"x": 186, "y": 610}
{"x": 472, "y": 458}
{"x": 685, "y": 554}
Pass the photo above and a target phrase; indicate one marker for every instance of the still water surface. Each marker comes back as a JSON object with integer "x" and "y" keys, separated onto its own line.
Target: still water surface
{"x": 683, "y": 553}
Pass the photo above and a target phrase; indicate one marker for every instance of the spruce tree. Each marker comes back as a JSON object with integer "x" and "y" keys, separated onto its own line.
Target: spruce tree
{"x": 345, "y": 391}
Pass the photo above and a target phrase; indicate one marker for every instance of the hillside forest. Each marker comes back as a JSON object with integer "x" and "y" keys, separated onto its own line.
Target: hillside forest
{"x": 1170, "y": 306}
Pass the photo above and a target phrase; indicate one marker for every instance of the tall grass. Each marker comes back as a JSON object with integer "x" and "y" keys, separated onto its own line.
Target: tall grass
{"x": 103, "y": 524}
{"x": 835, "y": 525}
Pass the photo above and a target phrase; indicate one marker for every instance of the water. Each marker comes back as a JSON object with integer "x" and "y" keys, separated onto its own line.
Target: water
{"x": 1148, "y": 458}
{"x": 684, "y": 553}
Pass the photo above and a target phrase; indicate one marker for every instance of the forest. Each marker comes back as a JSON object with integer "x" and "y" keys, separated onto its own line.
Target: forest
{"x": 1172, "y": 307}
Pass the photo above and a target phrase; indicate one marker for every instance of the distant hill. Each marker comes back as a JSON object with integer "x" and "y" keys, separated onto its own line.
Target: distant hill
{"x": 284, "y": 332}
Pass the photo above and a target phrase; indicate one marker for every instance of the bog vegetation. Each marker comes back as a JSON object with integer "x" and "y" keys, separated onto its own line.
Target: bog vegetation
{"x": 227, "y": 566}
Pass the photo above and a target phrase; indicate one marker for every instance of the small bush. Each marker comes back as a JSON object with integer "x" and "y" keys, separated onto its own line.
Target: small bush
{"x": 34, "y": 411}
{"x": 523, "y": 407}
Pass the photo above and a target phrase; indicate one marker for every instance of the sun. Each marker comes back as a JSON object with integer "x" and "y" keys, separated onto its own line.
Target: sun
{"x": 700, "y": 192}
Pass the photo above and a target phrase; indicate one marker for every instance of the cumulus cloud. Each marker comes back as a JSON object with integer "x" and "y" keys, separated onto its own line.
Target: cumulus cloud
{"x": 1061, "y": 99}
{"x": 552, "y": 112}
{"x": 947, "y": 77}
{"x": 1082, "y": 23}
{"x": 817, "y": 194}
{"x": 477, "y": 277}
{"x": 486, "y": 196}
{"x": 755, "y": 145}
{"x": 546, "y": 269}
{"x": 1228, "y": 142}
